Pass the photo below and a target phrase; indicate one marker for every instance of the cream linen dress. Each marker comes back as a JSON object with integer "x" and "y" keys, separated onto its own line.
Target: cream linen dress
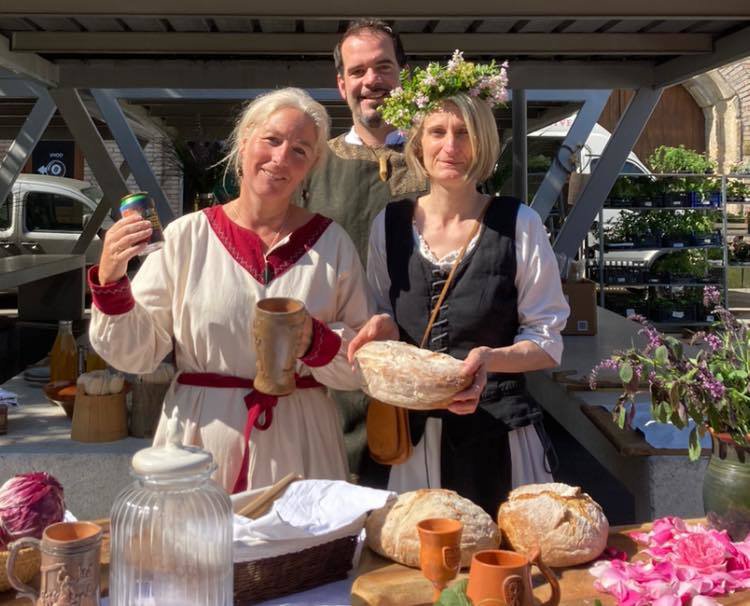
{"x": 197, "y": 295}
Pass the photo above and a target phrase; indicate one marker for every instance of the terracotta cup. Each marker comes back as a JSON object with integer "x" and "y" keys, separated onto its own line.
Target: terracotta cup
{"x": 439, "y": 551}
{"x": 70, "y": 565}
{"x": 277, "y": 330}
{"x": 503, "y": 578}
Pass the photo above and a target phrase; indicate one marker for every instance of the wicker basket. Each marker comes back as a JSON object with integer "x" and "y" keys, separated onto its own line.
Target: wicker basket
{"x": 292, "y": 572}
{"x": 148, "y": 399}
{"x": 27, "y": 565}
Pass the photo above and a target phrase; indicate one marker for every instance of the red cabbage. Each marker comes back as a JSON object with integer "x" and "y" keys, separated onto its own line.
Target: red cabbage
{"x": 29, "y": 502}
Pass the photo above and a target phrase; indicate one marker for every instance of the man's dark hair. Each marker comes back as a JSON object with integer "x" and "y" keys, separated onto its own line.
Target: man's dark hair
{"x": 375, "y": 26}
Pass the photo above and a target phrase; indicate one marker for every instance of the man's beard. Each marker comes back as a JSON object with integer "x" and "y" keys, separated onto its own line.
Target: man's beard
{"x": 374, "y": 120}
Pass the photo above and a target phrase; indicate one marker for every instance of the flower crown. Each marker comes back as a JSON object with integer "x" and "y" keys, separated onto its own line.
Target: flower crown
{"x": 422, "y": 90}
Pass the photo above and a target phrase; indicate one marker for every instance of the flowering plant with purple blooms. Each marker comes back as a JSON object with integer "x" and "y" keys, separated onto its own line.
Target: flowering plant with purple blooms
{"x": 422, "y": 90}
{"x": 708, "y": 384}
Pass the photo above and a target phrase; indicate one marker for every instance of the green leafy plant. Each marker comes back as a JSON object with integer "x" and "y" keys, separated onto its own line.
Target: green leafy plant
{"x": 539, "y": 163}
{"x": 666, "y": 159}
{"x": 455, "y": 595}
{"x": 628, "y": 227}
{"x": 707, "y": 384}
{"x": 682, "y": 263}
{"x": 200, "y": 162}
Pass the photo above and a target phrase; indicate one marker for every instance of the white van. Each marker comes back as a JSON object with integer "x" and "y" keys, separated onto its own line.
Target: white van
{"x": 592, "y": 150}
{"x": 587, "y": 158}
{"x": 44, "y": 214}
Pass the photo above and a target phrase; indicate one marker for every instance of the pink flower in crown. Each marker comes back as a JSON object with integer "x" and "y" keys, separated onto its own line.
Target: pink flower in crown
{"x": 421, "y": 101}
{"x": 430, "y": 80}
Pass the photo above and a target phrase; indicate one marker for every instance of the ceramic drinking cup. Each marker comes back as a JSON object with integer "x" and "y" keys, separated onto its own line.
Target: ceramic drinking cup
{"x": 439, "y": 551}
{"x": 69, "y": 570}
{"x": 503, "y": 578}
{"x": 277, "y": 330}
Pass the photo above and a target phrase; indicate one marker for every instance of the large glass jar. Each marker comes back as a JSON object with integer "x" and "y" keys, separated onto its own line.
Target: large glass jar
{"x": 171, "y": 532}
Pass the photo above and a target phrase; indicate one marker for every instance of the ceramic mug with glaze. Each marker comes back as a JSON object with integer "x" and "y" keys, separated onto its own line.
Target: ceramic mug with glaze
{"x": 503, "y": 578}
{"x": 439, "y": 551}
{"x": 70, "y": 565}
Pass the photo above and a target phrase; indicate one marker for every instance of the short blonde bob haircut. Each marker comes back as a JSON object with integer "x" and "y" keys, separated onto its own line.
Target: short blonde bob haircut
{"x": 485, "y": 142}
{"x": 258, "y": 111}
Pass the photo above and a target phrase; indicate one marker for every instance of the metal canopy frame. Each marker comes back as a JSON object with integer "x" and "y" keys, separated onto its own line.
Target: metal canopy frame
{"x": 608, "y": 168}
{"x": 32, "y": 130}
{"x": 642, "y": 44}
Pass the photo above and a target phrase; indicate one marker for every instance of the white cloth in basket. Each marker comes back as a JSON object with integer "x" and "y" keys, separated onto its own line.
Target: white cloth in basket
{"x": 309, "y": 513}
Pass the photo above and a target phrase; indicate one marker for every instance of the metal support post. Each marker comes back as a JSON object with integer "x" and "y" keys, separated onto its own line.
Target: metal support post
{"x": 564, "y": 162}
{"x": 520, "y": 133}
{"x": 20, "y": 150}
{"x": 604, "y": 175}
{"x": 131, "y": 149}
{"x": 109, "y": 178}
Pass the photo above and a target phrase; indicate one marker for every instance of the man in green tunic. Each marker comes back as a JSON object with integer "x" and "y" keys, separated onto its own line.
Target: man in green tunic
{"x": 364, "y": 170}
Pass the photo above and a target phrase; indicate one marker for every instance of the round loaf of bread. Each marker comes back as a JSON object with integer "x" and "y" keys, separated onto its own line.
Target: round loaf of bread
{"x": 567, "y": 525}
{"x": 392, "y": 530}
{"x": 404, "y": 375}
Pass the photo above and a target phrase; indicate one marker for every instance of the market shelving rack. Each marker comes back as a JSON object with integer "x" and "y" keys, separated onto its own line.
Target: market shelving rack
{"x": 602, "y": 250}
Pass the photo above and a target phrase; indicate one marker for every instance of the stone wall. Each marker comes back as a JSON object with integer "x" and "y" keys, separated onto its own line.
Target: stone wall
{"x": 737, "y": 75}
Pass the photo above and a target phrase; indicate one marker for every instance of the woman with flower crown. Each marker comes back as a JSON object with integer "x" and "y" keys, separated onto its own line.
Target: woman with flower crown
{"x": 504, "y": 308}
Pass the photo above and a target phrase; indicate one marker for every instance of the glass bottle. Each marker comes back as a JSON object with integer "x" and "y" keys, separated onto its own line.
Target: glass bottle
{"x": 63, "y": 359}
{"x": 171, "y": 531}
{"x": 94, "y": 361}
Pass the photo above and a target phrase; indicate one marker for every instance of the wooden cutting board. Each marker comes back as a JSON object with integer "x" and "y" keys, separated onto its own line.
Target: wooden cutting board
{"x": 384, "y": 583}
{"x": 381, "y": 582}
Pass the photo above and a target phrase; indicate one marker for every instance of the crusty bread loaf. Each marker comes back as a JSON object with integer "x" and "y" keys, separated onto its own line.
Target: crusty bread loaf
{"x": 392, "y": 530}
{"x": 404, "y": 375}
{"x": 567, "y": 525}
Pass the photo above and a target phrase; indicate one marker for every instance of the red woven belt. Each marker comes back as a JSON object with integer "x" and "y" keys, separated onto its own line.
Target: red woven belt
{"x": 257, "y": 403}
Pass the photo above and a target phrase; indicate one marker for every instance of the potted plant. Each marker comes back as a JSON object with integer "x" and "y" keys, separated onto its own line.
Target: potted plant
{"x": 202, "y": 166}
{"x": 680, "y": 266}
{"x": 739, "y": 250}
{"x": 687, "y": 191}
{"x": 622, "y": 193}
{"x": 705, "y": 387}
{"x": 630, "y": 230}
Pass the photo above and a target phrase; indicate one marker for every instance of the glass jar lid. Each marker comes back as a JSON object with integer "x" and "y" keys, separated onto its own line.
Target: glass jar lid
{"x": 173, "y": 459}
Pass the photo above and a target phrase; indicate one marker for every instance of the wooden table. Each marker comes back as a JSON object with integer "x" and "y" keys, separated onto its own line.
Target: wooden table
{"x": 383, "y": 583}
{"x": 380, "y": 582}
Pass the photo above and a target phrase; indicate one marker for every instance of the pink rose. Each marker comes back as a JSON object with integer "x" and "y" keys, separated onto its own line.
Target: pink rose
{"x": 702, "y": 552}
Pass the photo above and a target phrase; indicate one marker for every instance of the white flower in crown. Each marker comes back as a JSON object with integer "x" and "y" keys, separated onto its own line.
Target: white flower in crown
{"x": 456, "y": 60}
{"x": 422, "y": 90}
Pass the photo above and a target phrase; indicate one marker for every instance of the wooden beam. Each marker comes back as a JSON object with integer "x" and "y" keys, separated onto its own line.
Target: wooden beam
{"x": 414, "y": 9}
{"x": 730, "y": 48}
{"x": 27, "y": 65}
{"x": 178, "y": 43}
{"x": 316, "y": 73}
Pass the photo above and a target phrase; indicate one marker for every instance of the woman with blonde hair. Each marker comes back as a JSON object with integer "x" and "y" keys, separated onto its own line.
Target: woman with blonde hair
{"x": 503, "y": 309}
{"x": 197, "y": 295}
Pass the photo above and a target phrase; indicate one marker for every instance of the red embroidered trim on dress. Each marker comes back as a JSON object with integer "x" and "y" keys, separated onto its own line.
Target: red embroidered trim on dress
{"x": 112, "y": 299}
{"x": 246, "y": 248}
{"x": 324, "y": 347}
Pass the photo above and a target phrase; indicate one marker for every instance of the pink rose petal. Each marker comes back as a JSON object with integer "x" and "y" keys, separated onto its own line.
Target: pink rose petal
{"x": 686, "y": 564}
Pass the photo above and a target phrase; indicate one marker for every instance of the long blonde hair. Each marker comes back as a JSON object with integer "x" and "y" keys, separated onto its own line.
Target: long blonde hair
{"x": 263, "y": 107}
